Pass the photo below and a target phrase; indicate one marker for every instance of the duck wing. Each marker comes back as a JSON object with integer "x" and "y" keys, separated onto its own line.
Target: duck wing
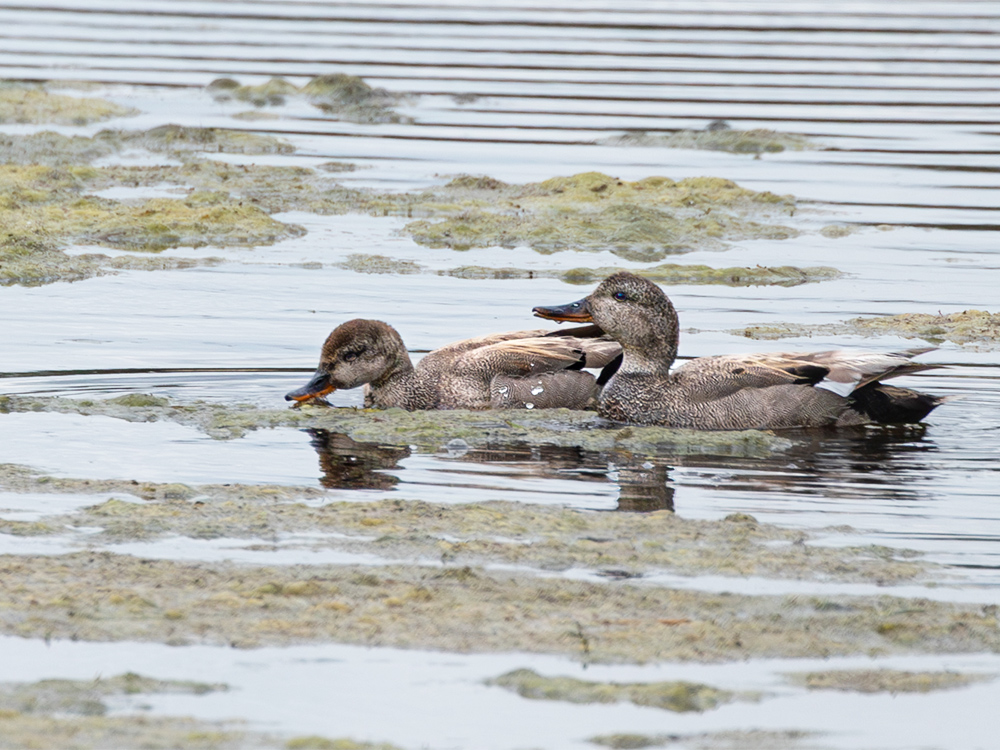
{"x": 839, "y": 371}
{"x": 538, "y": 372}
{"x": 456, "y": 348}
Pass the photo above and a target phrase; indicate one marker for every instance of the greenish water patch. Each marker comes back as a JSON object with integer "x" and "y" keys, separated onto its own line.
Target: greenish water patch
{"x": 666, "y": 273}
{"x": 460, "y": 609}
{"x": 643, "y": 220}
{"x": 86, "y": 697}
{"x": 977, "y": 329}
{"x": 45, "y": 208}
{"x": 344, "y": 97}
{"x": 47, "y": 201}
{"x": 675, "y": 695}
{"x": 427, "y": 429}
{"x": 718, "y": 137}
{"x": 32, "y": 104}
{"x": 753, "y": 739}
{"x": 473, "y": 533}
{"x": 380, "y": 264}
{"x": 313, "y": 742}
{"x": 885, "y": 680}
{"x": 53, "y": 149}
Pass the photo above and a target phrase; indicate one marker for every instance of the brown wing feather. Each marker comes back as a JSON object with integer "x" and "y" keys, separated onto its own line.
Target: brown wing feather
{"x": 839, "y": 371}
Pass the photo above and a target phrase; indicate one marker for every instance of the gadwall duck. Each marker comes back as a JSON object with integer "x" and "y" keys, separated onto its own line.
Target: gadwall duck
{"x": 519, "y": 369}
{"x": 735, "y": 392}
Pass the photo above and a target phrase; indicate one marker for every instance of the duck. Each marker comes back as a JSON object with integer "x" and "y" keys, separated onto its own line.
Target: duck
{"x": 770, "y": 391}
{"x": 513, "y": 370}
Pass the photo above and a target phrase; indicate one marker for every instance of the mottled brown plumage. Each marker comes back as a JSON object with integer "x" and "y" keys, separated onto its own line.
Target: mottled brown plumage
{"x": 734, "y": 392}
{"x": 515, "y": 370}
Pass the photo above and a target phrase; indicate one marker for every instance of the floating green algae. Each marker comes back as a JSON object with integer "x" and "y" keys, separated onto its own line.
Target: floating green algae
{"x": 541, "y": 537}
{"x": 672, "y": 273}
{"x": 666, "y": 273}
{"x": 885, "y": 680}
{"x": 975, "y": 328}
{"x": 313, "y": 742}
{"x": 429, "y": 429}
{"x": 380, "y": 264}
{"x": 342, "y": 96}
{"x": 717, "y": 137}
{"x": 674, "y": 695}
{"x": 47, "y": 201}
{"x": 86, "y": 697}
{"x": 753, "y": 739}
{"x": 272, "y": 92}
{"x": 643, "y": 220}
{"x": 25, "y": 103}
{"x": 40, "y": 732}
{"x": 460, "y": 608}
{"x": 43, "y": 208}
{"x": 55, "y": 149}
{"x": 174, "y": 139}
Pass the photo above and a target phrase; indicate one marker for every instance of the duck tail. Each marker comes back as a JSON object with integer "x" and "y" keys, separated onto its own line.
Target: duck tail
{"x": 889, "y": 404}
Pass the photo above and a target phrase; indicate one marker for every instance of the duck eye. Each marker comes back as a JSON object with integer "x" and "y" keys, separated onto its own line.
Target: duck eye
{"x": 352, "y": 355}
{"x": 620, "y": 296}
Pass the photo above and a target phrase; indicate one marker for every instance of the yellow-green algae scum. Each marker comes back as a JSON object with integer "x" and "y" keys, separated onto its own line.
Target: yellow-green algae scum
{"x": 48, "y": 185}
{"x": 454, "y": 560}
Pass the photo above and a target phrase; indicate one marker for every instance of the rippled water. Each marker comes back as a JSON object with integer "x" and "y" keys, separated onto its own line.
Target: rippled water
{"x": 903, "y": 98}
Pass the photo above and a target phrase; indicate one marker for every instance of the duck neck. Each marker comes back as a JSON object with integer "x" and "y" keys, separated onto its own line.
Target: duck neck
{"x": 395, "y": 387}
{"x": 652, "y": 347}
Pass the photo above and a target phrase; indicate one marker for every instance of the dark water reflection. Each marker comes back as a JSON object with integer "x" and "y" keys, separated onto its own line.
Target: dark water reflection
{"x": 348, "y": 464}
{"x": 896, "y": 487}
{"x": 879, "y": 464}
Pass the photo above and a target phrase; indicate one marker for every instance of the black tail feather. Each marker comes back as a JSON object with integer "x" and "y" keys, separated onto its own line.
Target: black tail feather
{"x": 888, "y": 404}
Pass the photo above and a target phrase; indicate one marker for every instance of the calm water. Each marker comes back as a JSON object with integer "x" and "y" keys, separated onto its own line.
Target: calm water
{"x": 903, "y": 98}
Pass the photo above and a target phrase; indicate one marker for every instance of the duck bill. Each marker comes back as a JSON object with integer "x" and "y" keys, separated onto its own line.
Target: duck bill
{"x": 318, "y": 386}
{"x": 577, "y": 312}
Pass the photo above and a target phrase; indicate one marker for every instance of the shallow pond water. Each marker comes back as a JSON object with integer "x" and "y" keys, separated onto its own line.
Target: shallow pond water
{"x": 898, "y": 193}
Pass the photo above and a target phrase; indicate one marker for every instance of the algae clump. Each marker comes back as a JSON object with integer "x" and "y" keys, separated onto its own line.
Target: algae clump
{"x": 343, "y": 96}
{"x": 665, "y": 273}
{"x": 717, "y": 136}
{"x": 672, "y": 696}
{"x": 643, "y": 220}
{"x": 85, "y": 697}
{"x": 885, "y": 680}
{"x": 21, "y": 103}
{"x": 380, "y": 264}
{"x": 975, "y": 328}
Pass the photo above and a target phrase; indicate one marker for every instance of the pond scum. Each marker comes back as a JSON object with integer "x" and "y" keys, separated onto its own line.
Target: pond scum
{"x": 47, "y": 203}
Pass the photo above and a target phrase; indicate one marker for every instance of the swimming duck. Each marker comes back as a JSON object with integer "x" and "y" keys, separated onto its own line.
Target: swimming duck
{"x": 518, "y": 369}
{"x": 735, "y": 392}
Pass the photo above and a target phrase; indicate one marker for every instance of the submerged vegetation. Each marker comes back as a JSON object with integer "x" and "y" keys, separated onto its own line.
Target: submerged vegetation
{"x": 50, "y": 196}
{"x": 49, "y": 183}
{"x": 666, "y": 273}
{"x": 975, "y": 328}
{"x": 33, "y": 104}
{"x": 676, "y": 695}
{"x": 717, "y": 136}
{"x": 342, "y": 96}
{"x": 643, "y": 220}
{"x": 885, "y": 680}
{"x": 428, "y": 429}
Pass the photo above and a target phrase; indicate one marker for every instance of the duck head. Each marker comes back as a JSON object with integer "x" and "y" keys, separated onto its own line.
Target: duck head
{"x": 632, "y": 310}
{"x": 356, "y": 352}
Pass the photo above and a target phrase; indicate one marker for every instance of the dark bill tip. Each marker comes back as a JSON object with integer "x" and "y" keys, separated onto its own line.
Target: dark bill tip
{"x": 318, "y": 386}
{"x": 575, "y": 311}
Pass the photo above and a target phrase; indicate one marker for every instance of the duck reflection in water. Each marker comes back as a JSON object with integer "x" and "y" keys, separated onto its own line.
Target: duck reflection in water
{"x": 882, "y": 463}
{"x": 644, "y": 487}
{"x": 643, "y": 484}
{"x": 350, "y": 465}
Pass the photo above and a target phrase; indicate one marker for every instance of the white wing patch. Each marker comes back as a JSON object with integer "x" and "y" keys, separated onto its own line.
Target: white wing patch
{"x": 841, "y": 389}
